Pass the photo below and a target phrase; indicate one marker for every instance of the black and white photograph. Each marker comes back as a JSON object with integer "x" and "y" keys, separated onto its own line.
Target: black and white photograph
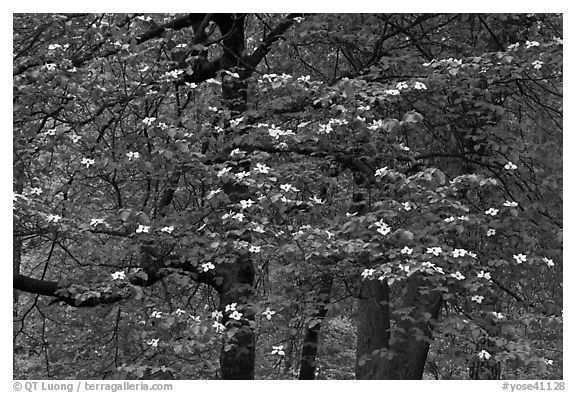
{"x": 286, "y": 196}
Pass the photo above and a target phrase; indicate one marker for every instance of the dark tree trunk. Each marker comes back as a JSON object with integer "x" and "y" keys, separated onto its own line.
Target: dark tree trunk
{"x": 308, "y": 362}
{"x": 237, "y": 357}
{"x": 234, "y": 90}
{"x": 484, "y": 368}
{"x": 413, "y": 333}
{"x": 373, "y": 334}
{"x": 400, "y": 352}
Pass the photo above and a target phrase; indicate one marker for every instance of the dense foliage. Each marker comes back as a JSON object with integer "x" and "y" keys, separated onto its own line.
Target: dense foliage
{"x": 324, "y": 196}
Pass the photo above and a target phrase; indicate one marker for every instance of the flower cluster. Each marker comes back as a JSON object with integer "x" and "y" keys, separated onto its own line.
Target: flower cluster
{"x": 254, "y": 249}
{"x": 96, "y": 221}
{"x": 288, "y": 187}
{"x": 401, "y": 85}
{"x": 420, "y": 86}
{"x": 234, "y": 313}
{"x": 262, "y": 168}
{"x": 519, "y": 258}
{"x": 119, "y": 275}
{"x": 268, "y": 313}
{"x": 380, "y": 124}
{"x": 246, "y": 203}
{"x": 87, "y": 161}
{"x": 537, "y": 64}
{"x": 491, "y": 211}
{"x": 148, "y": 120}
{"x": 406, "y": 250}
{"x": 207, "y": 266}
{"x": 381, "y": 172}
{"x": 153, "y": 342}
{"x": 457, "y": 276}
{"x": 53, "y": 218}
{"x": 497, "y": 315}
{"x": 459, "y": 252}
{"x": 278, "y": 350}
{"x": 132, "y": 155}
{"x": 367, "y": 273}
{"x": 172, "y": 75}
{"x": 235, "y": 122}
{"x": 276, "y": 132}
{"x": 383, "y": 228}
{"x": 143, "y": 229}
{"x": 477, "y": 298}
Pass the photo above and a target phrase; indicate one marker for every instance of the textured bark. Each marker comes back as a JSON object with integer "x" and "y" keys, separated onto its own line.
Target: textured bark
{"x": 485, "y": 368}
{"x": 394, "y": 347}
{"x": 308, "y": 362}
{"x": 238, "y": 286}
{"x": 412, "y": 334}
{"x": 373, "y": 334}
{"x": 238, "y": 360}
{"x": 234, "y": 90}
{"x": 60, "y": 293}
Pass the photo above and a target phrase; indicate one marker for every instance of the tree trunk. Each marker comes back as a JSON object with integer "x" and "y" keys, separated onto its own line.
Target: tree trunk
{"x": 237, "y": 357}
{"x": 484, "y": 368}
{"x": 413, "y": 332}
{"x": 310, "y": 343}
{"x": 400, "y": 352}
{"x": 234, "y": 90}
{"x": 373, "y": 334}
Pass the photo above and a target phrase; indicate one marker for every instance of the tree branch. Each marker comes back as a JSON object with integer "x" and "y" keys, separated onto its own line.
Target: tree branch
{"x": 63, "y": 293}
{"x": 262, "y": 50}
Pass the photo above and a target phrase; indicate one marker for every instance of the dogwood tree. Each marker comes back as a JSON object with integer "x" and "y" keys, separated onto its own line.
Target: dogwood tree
{"x": 230, "y": 182}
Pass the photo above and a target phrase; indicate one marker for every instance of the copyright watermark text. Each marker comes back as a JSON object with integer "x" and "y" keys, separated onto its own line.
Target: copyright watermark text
{"x": 542, "y": 385}
{"x": 89, "y": 386}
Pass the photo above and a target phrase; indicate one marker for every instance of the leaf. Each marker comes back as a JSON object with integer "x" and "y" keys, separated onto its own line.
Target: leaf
{"x": 349, "y": 90}
{"x": 439, "y": 176}
{"x": 404, "y": 235}
{"x": 171, "y": 132}
{"x": 124, "y": 214}
{"x": 390, "y": 125}
{"x": 412, "y": 117}
{"x": 182, "y": 146}
{"x": 148, "y": 166}
{"x": 139, "y": 293}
